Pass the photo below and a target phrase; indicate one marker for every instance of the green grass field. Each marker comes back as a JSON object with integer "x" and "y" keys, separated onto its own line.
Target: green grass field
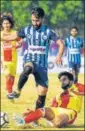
{"x": 28, "y": 99}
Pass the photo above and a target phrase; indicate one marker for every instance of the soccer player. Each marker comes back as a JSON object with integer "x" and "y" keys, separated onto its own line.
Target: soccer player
{"x": 9, "y": 48}
{"x": 74, "y": 43}
{"x": 64, "y": 108}
{"x": 38, "y": 38}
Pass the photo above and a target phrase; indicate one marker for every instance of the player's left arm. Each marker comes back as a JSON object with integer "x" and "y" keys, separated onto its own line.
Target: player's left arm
{"x": 78, "y": 93}
{"x": 60, "y": 44}
{"x": 79, "y": 90}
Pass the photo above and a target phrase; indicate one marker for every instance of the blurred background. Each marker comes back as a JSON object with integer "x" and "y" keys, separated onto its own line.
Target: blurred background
{"x": 60, "y": 15}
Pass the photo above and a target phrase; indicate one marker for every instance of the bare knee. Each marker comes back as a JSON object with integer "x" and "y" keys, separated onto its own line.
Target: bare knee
{"x": 49, "y": 115}
{"x": 61, "y": 120}
{"x": 42, "y": 90}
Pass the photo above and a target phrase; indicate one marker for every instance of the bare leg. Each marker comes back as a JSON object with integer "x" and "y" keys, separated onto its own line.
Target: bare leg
{"x": 60, "y": 120}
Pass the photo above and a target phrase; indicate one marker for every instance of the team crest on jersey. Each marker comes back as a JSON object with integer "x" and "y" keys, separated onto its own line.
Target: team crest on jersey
{"x": 44, "y": 37}
{"x": 29, "y": 36}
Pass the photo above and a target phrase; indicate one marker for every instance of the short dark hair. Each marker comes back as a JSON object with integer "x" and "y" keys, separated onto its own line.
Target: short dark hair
{"x": 65, "y": 73}
{"x": 74, "y": 27}
{"x": 7, "y": 17}
{"x": 38, "y": 12}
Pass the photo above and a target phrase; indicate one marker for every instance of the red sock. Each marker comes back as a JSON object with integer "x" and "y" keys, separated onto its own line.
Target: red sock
{"x": 9, "y": 83}
{"x": 33, "y": 116}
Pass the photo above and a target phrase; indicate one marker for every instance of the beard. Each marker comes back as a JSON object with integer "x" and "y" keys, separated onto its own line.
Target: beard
{"x": 64, "y": 87}
{"x": 36, "y": 26}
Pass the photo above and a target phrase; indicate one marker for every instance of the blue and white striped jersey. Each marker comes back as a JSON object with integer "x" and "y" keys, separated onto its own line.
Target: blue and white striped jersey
{"x": 38, "y": 41}
{"x": 74, "y": 46}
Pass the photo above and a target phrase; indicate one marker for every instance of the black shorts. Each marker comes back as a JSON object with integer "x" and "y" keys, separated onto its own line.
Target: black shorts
{"x": 40, "y": 74}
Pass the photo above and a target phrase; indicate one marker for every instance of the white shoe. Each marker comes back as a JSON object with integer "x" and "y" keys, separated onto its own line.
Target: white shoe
{"x": 35, "y": 124}
{"x": 19, "y": 120}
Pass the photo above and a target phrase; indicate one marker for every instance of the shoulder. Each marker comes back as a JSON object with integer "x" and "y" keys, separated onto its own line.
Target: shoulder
{"x": 27, "y": 28}
{"x": 24, "y": 31}
{"x": 50, "y": 29}
{"x": 67, "y": 39}
{"x": 79, "y": 38}
{"x": 44, "y": 28}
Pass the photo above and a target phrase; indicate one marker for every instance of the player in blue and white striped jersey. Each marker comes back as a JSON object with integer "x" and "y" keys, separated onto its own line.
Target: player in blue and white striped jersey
{"x": 74, "y": 43}
{"x": 38, "y": 38}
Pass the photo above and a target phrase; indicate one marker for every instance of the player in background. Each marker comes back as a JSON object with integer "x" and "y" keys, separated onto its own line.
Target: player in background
{"x": 64, "y": 108}
{"x": 74, "y": 43}
{"x": 38, "y": 38}
{"x": 9, "y": 51}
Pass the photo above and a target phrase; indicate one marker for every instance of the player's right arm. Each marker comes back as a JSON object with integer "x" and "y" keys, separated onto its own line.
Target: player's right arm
{"x": 9, "y": 37}
{"x": 80, "y": 89}
{"x": 54, "y": 102}
{"x": 13, "y": 36}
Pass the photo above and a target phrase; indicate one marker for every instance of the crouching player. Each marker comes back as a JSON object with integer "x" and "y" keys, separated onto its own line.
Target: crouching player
{"x": 65, "y": 106}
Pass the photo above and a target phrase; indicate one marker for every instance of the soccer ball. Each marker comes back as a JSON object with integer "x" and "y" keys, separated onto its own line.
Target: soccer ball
{"x": 4, "y": 119}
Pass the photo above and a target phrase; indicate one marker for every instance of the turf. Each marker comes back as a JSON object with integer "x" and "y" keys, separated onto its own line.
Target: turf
{"x": 28, "y": 99}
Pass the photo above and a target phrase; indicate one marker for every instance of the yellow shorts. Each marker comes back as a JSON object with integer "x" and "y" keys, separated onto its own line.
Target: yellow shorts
{"x": 71, "y": 113}
{"x": 9, "y": 68}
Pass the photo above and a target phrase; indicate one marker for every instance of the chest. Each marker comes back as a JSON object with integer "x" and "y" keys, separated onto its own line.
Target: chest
{"x": 74, "y": 43}
{"x": 38, "y": 38}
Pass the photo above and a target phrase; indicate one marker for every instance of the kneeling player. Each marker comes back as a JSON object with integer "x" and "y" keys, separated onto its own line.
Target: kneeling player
{"x": 65, "y": 106}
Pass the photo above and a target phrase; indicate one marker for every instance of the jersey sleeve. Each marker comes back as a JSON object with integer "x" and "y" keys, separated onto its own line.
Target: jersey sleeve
{"x": 81, "y": 87}
{"x": 53, "y": 36}
{"x": 21, "y": 33}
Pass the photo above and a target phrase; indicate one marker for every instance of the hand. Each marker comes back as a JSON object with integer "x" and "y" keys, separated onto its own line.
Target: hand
{"x": 16, "y": 46}
{"x": 58, "y": 60}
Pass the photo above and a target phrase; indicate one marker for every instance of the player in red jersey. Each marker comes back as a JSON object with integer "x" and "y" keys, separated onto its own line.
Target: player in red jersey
{"x": 64, "y": 108}
{"x": 9, "y": 51}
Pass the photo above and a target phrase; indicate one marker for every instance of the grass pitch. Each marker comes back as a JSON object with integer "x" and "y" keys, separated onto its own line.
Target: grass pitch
{"x": 28, "y": 99}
